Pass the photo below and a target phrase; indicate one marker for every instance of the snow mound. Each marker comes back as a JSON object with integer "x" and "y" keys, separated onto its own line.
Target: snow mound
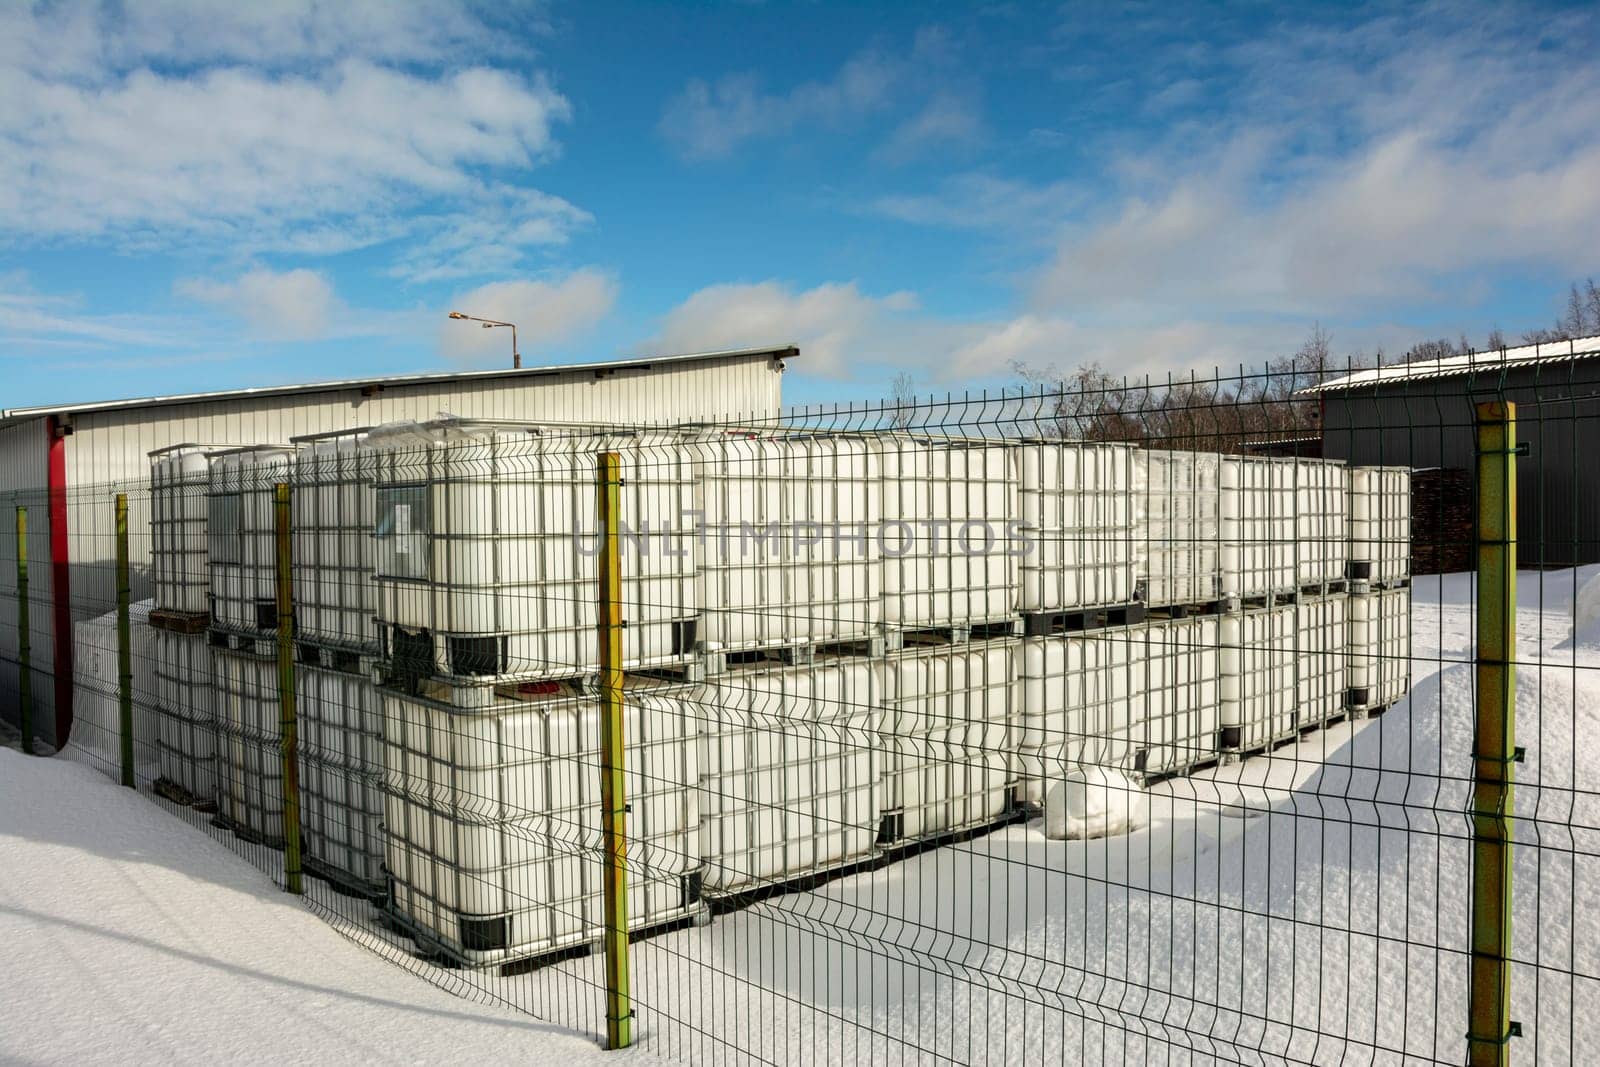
{"x": 1093, "y": 802}
{"x": 1586, "y": 614}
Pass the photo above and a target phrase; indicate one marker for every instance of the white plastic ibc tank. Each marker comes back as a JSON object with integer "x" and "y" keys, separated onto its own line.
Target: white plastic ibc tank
{"x": 1380, "y": 647}
{"x": 789, "y": 771}
{"x": 241, "y": 529}
{"x": 186, "y": 726}
{"x": 1258, "y": 677}
{"x": 1183, "y": 696}
{"x": 1077, "y": 525}
{"x": 1177, "y": 531}
{"x": 1322, "y": 520}
{"x": 487, "y": 542}
{"x": 493, "y": 819}
{"x": 1258, "y": 526}
{"x": 952, "y": 723}
{"x": 1380, "y": 524}
{"x": 97, "y": 689}
{"x": 1082, "y": 704}
{"x": 788, "y": 542}
{"x": 178, "y": 490}
{"x": 1321, "y": 623}
{"x": 951, "y": 549}
{"x": 250, "y": 748}
{"x": 341, "y": 772}
{"x": 336, "y": 602}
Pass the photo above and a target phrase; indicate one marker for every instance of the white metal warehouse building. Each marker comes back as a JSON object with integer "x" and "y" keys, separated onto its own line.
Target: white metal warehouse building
{"x": 66, "y": 462}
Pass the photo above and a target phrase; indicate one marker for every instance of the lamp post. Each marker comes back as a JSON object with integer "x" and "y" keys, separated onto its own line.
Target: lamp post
{"x": 489, "y": 324}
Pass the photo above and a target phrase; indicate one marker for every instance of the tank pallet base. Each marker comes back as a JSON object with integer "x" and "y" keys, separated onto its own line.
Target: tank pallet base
{"x": 954, "y": 633}
{"x": 180, "y": 622}
{"x": 346, "y": 884}
{"x": 245, "y": 833}
{"x": 894, "y": 843}
{"x": 1048, "y": 623}
{"x": 1276, "y": 599}
{"x": 1232, "y": 750}
{"x": 1357, "y": 712}
{"x": 469, "y": 691}
{"x": 1328, "y": 588}
{"x": 724, "y": 901}
{"x": 336, "y": 658}
{"x": 798, "y": 653}
{"x": 263, "y": 646}
{"x": 1364, "y": 586}
{"x": 167, "y": 789}
{"x": 430, "y": 947}
{"x": 1194, "y": 610}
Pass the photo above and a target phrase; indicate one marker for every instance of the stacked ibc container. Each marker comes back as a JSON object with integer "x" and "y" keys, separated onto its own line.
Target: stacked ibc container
{"x": 790, "y": 775}
{"x": 487, "y": 551}
{"x": 487, "y": 573}
{"x": 242, "y": 555}
{"x": 1258, "y": 527}
{"x": 950, "y": 536}
{"x": 1321, "y": 662}
{"x": 1083, "y": 705}
{"x": 951, "y": 728}
{"x": 1321, "y": 515}
{"x": 789, "y": 552}
{"x": 1380, "y": 525}
{"x": 340, "y": 719}
{"x": 186, "y": 728}
{"x": 1183, "y": 694}
{"x": 1077, "y": 511}
{"x": 494, "y": 817}
{"x": 1178, "y": 533}
{"x": 1258, "y": 677}
{"x": 1380, "y": 648}
{"x": 1380, "y": 588}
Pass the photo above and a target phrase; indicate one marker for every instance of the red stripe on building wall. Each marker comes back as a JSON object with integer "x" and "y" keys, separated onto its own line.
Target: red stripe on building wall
{"x": 60, "y": 580}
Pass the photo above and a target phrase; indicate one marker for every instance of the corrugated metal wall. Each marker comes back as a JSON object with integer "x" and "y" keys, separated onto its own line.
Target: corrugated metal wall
{"x": 23, "y": 479}
{"x": 1429, "y": 423}
{"x": 108, "y": 452}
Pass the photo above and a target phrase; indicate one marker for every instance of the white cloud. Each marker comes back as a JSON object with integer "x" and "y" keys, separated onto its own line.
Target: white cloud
{"x": 835, "y": 325}
{"x": 33, "y": 320}
{"x": 294, "y": 305}
{"x": 1390, "y": 163}
{"x": 709, "y": 120}
{"x": 947, "y": 120}
{"x": 984, "y": 201}
{"x": 140, "y": 125}
{"x": 546, "y": 313}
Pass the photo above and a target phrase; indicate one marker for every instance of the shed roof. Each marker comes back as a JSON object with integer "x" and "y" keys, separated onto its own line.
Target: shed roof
{"x": 8, "y": 415}
{"x": 1492, "y": 361}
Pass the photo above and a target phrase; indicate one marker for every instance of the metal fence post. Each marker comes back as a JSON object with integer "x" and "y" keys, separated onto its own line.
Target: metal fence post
{"x": 613, "y": 794}
{"x": 124, "y": 645}
{"x": 1494, "y": 743}
{"x": 24, "y": 641}
{"x": 287, "y": 731}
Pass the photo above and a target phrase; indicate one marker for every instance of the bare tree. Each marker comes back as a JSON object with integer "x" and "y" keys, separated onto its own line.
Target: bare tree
{"x": 903, "y": 400}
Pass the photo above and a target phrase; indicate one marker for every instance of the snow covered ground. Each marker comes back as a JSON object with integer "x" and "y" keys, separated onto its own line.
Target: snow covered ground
{"x": 131, "y": 937}
{"x": 1310, "y": 907}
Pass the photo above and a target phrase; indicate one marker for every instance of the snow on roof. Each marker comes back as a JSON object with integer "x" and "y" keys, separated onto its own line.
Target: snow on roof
{"x": 394, "y": 381}
{"x": 1495, "y": 359}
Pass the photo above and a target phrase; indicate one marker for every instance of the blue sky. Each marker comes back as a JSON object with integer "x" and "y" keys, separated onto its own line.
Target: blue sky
{"x": 210, "y": 195}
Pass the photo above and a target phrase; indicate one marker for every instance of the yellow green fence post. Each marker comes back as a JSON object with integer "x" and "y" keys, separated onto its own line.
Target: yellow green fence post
{"x": 1494, "y": 744}
{"x": 613, "y": 794}
{"x": 288, "y": 734}
{"x": 24, "y": 640}
{"x": 124, "y": 645}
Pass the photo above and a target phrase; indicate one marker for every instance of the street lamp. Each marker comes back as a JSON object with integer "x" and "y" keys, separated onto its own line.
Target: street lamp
{"x": 489, "y": 324}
